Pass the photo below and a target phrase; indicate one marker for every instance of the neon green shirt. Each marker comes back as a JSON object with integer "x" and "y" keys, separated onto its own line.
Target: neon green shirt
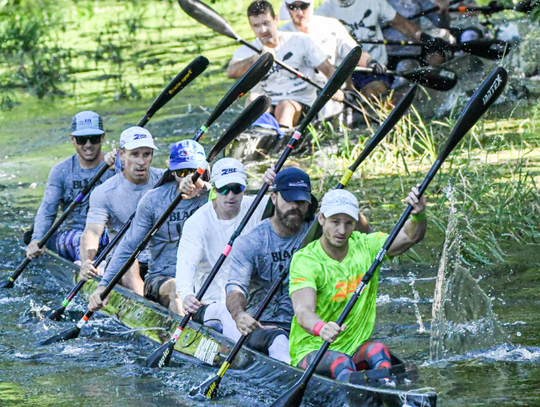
{"x": 335, "y": 283}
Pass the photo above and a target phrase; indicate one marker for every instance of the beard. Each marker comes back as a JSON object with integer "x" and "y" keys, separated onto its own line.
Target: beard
{"x": 286, "y": 220}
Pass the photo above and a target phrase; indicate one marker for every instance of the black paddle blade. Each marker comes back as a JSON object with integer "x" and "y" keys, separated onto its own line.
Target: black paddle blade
{"x": 485, "y": 48}
{"x": 253, "y": 76}
{"x": 435, "y": 78}
{"x": 208, "y": 17}
{"x": 292, "y": 398}
{"x": 180, "y": 81}
{"x": 332, "y": 86}
{"x": 526, "y": 6}
{"x": 7, "y": 283}
{"x": 66, "y": 335}
{"x": 242, "y": 122}
{"x": 488, "y": 92}
{"x": 56, "y": 315}
{"x": 161, "y": 356}
{"x": 207, "y": 389}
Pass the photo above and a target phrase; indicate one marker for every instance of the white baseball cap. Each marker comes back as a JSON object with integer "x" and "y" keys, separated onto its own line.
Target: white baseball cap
{"x": 228, "y": 171}
{"x": 135, "y": 137}
{"x": 339, "y": 201}
{"x": 87, "y": 123}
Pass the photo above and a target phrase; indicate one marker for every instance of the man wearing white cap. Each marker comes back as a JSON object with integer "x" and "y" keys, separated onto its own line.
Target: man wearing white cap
{"x": 205, "y": 236}
{"x": 324, "y": 275}
{"x": 113, "y": 202}
{"x": 159, "y": 286}
{"x": 66, "y": 180}
{"x": 290, "y": 95}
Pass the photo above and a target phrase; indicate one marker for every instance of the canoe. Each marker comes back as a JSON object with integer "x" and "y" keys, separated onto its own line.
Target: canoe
{"x": 200, "y": 344}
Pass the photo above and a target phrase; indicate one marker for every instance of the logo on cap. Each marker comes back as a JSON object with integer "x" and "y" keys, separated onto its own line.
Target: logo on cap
{"x": 226, "y": 171}
{"x": 301, "y": 183}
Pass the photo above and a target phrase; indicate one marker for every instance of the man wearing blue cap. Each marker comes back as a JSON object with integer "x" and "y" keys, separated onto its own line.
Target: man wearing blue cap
{"x": 113, "y": 202}
{"x": 186, "y": 156}
{"x": 259, "y": 257}
{"x": 66, "y": 180}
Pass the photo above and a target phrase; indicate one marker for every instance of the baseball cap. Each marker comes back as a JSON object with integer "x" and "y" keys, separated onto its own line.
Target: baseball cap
{"x": 87, "y": 123}
{"x": 186, "y": 154}
{"x": 339, "y": 201}
{"x": 293, "y": 184}
{"x": 228, "y": 171}
{"x": 135, "y": 137}
{"x": 301, "y": 1}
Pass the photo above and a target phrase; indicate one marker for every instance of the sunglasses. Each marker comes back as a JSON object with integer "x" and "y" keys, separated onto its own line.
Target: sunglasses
{"x": 294, "y": 7}
{"x": 82, "y": 140}
{"x": 184, "y": 172}
{"x": 234, "y": 188}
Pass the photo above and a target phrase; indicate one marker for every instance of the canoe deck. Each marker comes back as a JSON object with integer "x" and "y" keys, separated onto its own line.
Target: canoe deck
{"x": 204, "y": 345}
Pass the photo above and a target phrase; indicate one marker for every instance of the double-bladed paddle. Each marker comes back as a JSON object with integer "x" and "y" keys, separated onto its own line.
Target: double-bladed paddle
{"x": 432, "y": 77}
{"x": 162, "y": 356}
{"x": 184, "y": 78}
{"x": 242, "y": 122}
{"x": 479, "y": 103}
{"x": 209, "y": 387}
{"x": 485, "y": 48}
{"x": 252, "y": 76}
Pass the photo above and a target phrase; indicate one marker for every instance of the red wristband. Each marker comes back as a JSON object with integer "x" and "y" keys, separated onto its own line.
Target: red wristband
{"x": 317, "y": 327}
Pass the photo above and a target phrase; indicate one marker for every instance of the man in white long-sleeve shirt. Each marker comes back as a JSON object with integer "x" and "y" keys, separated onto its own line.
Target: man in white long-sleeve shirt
{"x": 205, "y": 235}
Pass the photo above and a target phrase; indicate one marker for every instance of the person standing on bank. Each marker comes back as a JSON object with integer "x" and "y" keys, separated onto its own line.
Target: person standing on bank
{"x": 113, "y": 202}
{"x": 66, "y": 180}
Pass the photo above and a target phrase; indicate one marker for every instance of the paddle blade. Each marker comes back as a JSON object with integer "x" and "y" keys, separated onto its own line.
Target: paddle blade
{"x": 253, "y": 76}
{"x": 292, "y": 398}
{"x": 7, "y": 283}
{"x": 66, "y": 335}
{"x": 488, "y": 92}
{"x": 161, "y": 356}
{"x": 526, "y": 6}
{"x": 435, "y": 78}
{"x": 208, "y": 17}
{"x": 242, "y": 122}
{"x": 56, "y": 315}
{"x": 180, "y": 81}
{"x": 489, "y": 49}
{"x": 207, "y": 389}
{"x": 332, "y": 86}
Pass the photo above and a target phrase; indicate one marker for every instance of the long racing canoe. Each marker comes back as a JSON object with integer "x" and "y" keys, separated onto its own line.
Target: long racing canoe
{"x": 203, "y": 345}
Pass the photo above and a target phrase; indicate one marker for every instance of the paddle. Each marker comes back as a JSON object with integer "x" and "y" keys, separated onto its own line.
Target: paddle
{"x": 194, "y": 69}
{"x": 252, "y": 76}
{"x": 162, "y": 356}
{"x": 210, "y": 18}
{"x": 432, "y": 77}
{"x": 496, "y": 7}
{"x": 485, "y": 48}
{"x": 210, "y": 386}
{"x": 242, "y": 122}
{"x": 479, "y": 103}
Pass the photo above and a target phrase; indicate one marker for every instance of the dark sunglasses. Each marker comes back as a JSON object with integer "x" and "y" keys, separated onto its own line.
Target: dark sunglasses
{"x": 82, "y": 140}
{"x": 234, "y": 188}
{"x": 184, "y": 172}
{"x": 294, "y": 7}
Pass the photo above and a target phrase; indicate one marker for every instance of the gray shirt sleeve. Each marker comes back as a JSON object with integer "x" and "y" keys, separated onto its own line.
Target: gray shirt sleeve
{"x": 98, "y": 212}
{"x": 49, "y": 205}
{"x": 241, "y": 266}
{"x": 141, "y": 225}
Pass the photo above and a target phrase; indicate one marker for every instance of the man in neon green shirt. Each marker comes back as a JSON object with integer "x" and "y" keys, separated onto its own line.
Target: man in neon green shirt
{"x": 324, "y": 275}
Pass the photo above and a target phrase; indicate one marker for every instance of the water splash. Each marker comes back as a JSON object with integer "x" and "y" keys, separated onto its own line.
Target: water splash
{"x": 421, "y": 327}
{"x": 463, "y": 317}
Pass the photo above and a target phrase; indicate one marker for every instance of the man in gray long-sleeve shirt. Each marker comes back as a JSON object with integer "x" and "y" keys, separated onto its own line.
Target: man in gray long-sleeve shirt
{"x": 159, "y": 285}
{"x": 66, "y": 180}
{"x": 113, "y": 202}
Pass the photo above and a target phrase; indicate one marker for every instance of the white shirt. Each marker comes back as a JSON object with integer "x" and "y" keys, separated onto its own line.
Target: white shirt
{"x": 203, "y": 239}
{"x": 331, "y": 37}
{"x": 299, "y": 52}
{"x": 362, "y": 20}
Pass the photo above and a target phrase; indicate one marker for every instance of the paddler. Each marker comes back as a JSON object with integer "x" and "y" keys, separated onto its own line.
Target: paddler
{"x": 259, "y": 256}
{"x": 362, "y": 19}
{"x": 159, "y": 286}
{"x": 291, "y": 96}
{"x": 113, "y": 202}
{"x": 205, "y": 236}
{"x": 66, "y": 180}
{"x": 324, "y": 274}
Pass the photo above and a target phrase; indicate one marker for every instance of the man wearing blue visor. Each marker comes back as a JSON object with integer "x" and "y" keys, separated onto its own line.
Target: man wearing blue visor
{"x": 159, "y": 285}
